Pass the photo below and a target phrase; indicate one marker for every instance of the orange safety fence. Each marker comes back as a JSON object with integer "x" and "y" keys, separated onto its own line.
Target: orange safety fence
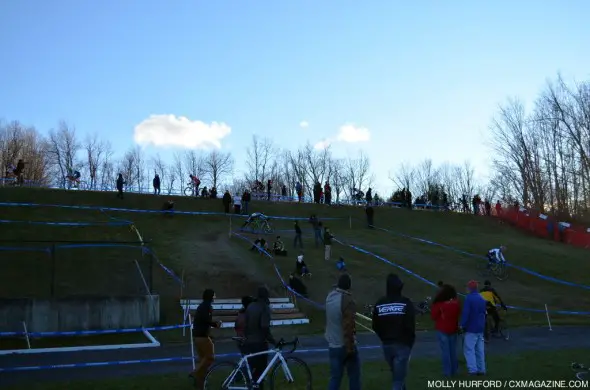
{"x": 544, "y": 226}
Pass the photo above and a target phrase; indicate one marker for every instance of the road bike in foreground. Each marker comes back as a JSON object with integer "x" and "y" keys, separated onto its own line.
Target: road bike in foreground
{"x": 278, "y": 367}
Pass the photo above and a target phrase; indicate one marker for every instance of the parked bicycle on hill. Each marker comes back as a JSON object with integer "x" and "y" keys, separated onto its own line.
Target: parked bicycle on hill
{"x": 240, "y": 375}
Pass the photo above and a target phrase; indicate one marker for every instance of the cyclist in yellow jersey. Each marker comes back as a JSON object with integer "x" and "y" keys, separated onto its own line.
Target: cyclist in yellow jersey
{"x": 493, "y": 299}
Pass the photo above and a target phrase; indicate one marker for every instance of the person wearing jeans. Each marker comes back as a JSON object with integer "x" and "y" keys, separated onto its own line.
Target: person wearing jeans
{"x": 341, "y": 336}
{"x": 473, "y": 322}
{"x": 445, "y": 311}
{"x": 394, "y": 322}
{"x": 328, "y": 244}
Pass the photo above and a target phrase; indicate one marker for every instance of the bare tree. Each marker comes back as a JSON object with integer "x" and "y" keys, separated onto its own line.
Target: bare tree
{"x": 128, "y": 168}
{"x": 167, "y": 174}
{"x": 95, "y": 153}
{"x": 194, "y": 163}
{"x": 404, "y": 177}
{"x": 62, "y": 149}
{"x": 260, "y": 155}
{"x": 20, "y": 142}
{"x": 465, "y": 180}
{"x": 356, "y": 174}
{"x": 218, "y": 165}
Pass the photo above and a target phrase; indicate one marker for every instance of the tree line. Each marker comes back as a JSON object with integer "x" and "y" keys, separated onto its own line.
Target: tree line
{"x": 541, "y": 159}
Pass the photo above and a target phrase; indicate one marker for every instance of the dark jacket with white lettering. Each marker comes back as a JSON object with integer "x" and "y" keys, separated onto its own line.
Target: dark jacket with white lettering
{"x": 394, "y": 318}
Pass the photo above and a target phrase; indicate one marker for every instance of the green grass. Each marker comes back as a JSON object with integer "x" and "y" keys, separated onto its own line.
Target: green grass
{"x": 198, "y": 248}
{"x": 375, "y": 375}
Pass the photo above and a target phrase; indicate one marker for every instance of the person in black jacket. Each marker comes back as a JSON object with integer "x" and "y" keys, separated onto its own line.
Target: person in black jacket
{"x": 370, "y": 212}
{"x": 394, "y": 322}
{"x": 120, "y": 183}
{"x": 297, "y": 236}
{"x": 202, "y": 323}
{"x": 258, "y": 333}
{"x": 156, "y": 184}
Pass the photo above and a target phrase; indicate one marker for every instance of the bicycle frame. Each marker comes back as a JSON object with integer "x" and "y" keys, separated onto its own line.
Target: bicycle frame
{"x": 278, "y": 356}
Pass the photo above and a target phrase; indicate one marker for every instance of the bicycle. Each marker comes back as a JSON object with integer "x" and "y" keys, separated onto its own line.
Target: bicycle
{"x": 74, "y": 184}
{"x": 580, "y": 370}
{"x": 240, "y": 376}
{"x": 502, "y": 332}
{"x": 498, "y": 269}
{"x": 260, "y": 226}
{"x": 190, "y": 190}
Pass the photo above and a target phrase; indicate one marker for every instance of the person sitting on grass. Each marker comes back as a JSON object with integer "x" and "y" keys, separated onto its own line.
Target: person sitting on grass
{"x": 341, "y": 265}
{"x": 260, "y": 245}
{"x": 297, "y": 285}
{"x": 301, "y": 267}
{"x": 279, "y": 247}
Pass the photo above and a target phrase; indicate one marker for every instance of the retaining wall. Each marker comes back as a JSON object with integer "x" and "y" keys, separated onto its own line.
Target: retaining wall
{"x": 79, "y": 313}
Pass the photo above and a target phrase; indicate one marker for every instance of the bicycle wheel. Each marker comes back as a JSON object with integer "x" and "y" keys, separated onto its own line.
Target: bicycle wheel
{"x": 503, "y": 330}
{"x": 500, "y": 271}
{"x": 299, "y": 378}
{"x": 188, "y": 191}
{"x": 582, "y": 375}
{"x": 226, "y": 375}
{"x": 267, "y": 228}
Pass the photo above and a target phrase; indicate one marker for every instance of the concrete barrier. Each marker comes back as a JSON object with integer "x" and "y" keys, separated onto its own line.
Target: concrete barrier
{"x": 79, "y": 313}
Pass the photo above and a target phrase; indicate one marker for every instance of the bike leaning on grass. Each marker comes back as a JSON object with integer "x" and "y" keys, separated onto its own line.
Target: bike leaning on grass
{"x": 279, "y": 367}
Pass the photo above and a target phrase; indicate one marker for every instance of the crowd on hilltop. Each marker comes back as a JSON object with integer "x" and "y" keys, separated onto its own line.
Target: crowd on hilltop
{"x": 393, "y": 321}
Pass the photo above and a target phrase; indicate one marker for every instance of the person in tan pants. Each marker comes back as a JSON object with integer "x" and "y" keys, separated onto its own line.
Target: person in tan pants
{"x": 202, "y": 324}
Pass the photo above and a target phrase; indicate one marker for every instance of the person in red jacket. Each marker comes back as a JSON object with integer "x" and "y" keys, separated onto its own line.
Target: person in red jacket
{"x": 446, "y": 311}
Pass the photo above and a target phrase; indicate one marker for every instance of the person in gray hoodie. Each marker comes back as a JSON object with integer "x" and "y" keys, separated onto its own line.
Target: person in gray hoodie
{"x": 341, "y": 336}
{"x": 394, "y": 322}
{"x": 257, "y": 333}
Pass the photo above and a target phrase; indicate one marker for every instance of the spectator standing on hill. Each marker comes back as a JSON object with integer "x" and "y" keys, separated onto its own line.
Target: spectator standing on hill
{"x": 298, "y": 238}
{"x": 156, "y": 184}
{"x": 202, "y": 323}
{"x": 19, "y": 172}
{"x": 237, "y": 204}
{"x": 473, "y": 321}
{"x": 369, "y": 196}
{"x": 341, "y": 336}
{"x": 120, "y": 183}
{"x": 299, "y": 190}
{"x": 226, "y": 200}
{"x": 394, "y": 322}
{"x": 317, "y": 229}
{"x": 284, "y": 192}
{"x": 488, "y": 207}
{"x": 327, "y": 244}
{"x": 258, "y": 333}
{"x": 498, "y": 209}
{"x": 445, "y": 312}
{"x": 370, "y": 212}
{"x": 327, "y": 193}
{"x": 408, "y": 199}
{"x": 268, "y": 188}
{"x": 246, "y": 198}
{"x": 317, "y": 189}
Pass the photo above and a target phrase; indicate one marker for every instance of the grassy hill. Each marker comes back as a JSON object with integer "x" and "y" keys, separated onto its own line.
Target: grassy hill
{"x": 199, "y": 247}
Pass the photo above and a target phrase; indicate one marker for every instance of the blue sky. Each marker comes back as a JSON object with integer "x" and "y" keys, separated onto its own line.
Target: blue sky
{"x": 423, "y": 78}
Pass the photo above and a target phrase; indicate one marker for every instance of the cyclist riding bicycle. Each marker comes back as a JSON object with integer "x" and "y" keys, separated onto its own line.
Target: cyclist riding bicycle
{"x": 492, "y": 301}
{"x": 196, "y": 181}
{"x": 496, "y": 256}
{"x": 75, "y": 177}
{"x": 255, "y": 217}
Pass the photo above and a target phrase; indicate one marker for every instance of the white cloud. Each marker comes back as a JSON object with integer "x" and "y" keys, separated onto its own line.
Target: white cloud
{"x": 351, "y": 134}
{"x": 172, "y": 130}
{"x": 304, "y": 124}
{"x": 323, "y": 144}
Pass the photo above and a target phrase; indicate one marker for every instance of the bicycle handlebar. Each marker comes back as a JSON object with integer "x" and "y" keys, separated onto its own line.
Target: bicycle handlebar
{"x": 282, "y": 343}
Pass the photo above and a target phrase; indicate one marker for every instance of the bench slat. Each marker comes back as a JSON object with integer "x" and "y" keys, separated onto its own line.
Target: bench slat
{"x": 298, "y": 321}
{"x": 221, "y": 306}
{"x": 232, "y": 301}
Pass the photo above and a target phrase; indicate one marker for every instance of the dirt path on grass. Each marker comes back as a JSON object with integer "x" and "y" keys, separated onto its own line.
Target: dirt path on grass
{"x": 312, "y": 349}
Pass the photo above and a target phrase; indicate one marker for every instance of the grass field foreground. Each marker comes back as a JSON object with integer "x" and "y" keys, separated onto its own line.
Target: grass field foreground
{"x": 199, "y": 248}
{"x": 535, "y": 366}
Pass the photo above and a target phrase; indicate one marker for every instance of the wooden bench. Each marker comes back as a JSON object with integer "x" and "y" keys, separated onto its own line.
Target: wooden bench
{"x": 283, "y": 311}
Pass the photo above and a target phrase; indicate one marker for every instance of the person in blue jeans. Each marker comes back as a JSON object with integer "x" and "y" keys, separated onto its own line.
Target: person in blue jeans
{"x": 341, "y": 336}
{"x": 473, "y": 321}
{"x": 394, "y": 322}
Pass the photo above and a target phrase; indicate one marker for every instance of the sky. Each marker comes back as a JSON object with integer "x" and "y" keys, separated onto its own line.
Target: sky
{"x": 400, "y": 81}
